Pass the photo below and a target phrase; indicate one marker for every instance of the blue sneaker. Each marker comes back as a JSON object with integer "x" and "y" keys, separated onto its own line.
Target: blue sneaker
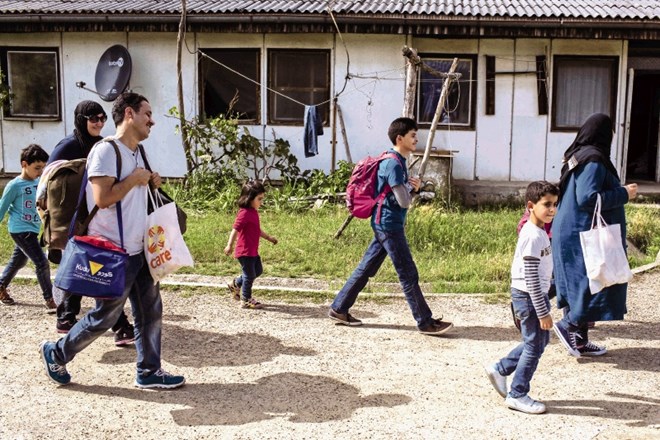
{"x": 160, "y": 379}
{"x": 56, "y": 372}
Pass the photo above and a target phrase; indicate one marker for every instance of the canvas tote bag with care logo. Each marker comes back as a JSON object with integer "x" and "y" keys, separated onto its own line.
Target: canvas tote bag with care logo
{"x": 164, "y": 247}
{"x": 604, "y": 256}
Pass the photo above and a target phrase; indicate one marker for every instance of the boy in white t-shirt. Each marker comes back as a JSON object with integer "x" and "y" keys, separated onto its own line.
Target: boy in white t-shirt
{"x": 531, "y": 272}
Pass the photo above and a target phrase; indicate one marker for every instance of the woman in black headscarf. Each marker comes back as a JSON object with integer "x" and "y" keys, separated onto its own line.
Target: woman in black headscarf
{"x": 587, "y": 172}
{"x": 89, "y": 121}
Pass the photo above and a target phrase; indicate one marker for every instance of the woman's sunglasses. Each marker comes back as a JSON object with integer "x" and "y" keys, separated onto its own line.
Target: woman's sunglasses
{"x": 96, "y": 118}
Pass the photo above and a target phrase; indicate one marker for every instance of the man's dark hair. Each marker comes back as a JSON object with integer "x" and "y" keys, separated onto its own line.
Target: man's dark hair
{"x": 540, "y": 188}
{"x": 250, "y": 190}
{"x": 400, "y": 126}
{"x": 33, "y": 153}
{"x": 126, "y": 99}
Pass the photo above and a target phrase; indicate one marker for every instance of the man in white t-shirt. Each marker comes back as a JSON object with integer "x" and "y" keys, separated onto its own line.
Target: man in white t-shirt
{"x": 131, "y": 113}
{"x": 531, "y": 272}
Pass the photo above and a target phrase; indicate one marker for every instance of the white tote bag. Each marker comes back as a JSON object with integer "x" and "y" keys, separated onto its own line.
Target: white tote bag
{"x": 164, "y": 247}
{"x": 604, "y": 256}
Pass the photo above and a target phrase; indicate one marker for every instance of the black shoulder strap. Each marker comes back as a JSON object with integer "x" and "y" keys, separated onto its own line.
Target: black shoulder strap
{"x": 94, "y": 210}
{"x": 144, "y": 157}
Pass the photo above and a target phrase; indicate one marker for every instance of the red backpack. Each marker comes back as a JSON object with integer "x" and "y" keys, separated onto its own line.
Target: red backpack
{"x": 361, "y": 190}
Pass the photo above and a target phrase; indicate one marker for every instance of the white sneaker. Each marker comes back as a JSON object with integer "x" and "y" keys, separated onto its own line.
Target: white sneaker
{"x": 498, "y": 381}
{"x": 525, "y": 404}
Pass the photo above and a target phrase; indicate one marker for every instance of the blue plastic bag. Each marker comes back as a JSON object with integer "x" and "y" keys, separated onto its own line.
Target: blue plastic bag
{"x": 92, "y": 266}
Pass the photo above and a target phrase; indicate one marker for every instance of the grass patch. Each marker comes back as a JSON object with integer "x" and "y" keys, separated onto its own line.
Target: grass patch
{"x": 456, "y": 250}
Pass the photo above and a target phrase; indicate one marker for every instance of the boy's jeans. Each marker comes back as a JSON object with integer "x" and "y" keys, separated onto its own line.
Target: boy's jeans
{"x": 524, "y": 359}
{"x": 147, "y": 310}
{"x": 27, "y": 246}
{"x": 252, "y": 268}
{"x": 394, "y": 244}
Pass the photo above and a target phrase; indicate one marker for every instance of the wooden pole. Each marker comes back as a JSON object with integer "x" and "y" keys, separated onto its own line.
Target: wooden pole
{"x": 412, "y": 68}
{"x": 343, "y": 134}
{"x": 436, "y": 118}
{"x": 179, "y": 86}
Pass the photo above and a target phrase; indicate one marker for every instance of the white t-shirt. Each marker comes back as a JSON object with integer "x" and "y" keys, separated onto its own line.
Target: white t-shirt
{"x": 532, "y": 242}
{"x": 102, "y": 162}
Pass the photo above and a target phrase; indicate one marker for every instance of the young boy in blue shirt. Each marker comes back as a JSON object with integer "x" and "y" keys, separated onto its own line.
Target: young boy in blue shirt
{"x": 389, "y": 237}
{"x": 531, "y": 272}
{"x": 19, "y": 199}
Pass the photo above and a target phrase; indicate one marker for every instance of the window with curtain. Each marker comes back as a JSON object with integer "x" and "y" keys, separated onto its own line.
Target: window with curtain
{"x": 303, "y": 75}
{"x": 229, "y": 83}
{"x": 459, "y": 107}
{"x": 582, "y": 86}
{"x": 32, "y": 75}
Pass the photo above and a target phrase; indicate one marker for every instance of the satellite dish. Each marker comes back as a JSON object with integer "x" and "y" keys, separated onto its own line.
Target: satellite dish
{"x": 113, "y": 72}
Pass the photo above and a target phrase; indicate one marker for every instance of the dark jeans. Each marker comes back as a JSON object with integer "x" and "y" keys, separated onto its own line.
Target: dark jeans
{"x": 524, "y": 359}
{"x": 69, "y": 308}
{"x": 147, "y": 308}
{"x": 394, "y": 244}
{"x": 27, "y": 247}
{"x": 252, "y": 268}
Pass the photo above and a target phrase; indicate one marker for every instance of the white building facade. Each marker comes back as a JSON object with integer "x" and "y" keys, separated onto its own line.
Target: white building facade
{"x": 522, "y": 94}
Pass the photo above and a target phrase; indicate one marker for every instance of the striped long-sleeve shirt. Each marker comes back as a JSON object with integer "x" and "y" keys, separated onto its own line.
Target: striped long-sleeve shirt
{"x": 531, "y": 269}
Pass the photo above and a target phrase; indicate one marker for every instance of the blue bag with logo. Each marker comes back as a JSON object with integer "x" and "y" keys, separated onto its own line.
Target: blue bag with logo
{"x": 93, "y": 266}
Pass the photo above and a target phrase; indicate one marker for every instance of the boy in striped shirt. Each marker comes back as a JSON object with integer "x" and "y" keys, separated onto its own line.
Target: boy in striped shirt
{"x": 531, "y": 272}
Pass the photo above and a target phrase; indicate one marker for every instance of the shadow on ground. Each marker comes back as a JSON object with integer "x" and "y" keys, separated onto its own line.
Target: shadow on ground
{"x": 643, "y": 412}
{"x": 197, "y": 348}
{"x": 299, "y": 398}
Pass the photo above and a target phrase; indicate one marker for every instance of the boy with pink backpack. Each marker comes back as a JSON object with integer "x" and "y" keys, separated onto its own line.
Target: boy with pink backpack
{"x": 387, "y": 202}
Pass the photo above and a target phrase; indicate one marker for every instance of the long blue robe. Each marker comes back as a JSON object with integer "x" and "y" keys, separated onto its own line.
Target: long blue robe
{"x": 574, "y": 214}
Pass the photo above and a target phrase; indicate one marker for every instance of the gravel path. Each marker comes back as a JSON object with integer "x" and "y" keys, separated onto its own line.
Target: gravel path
{"x": 288, "y": 372}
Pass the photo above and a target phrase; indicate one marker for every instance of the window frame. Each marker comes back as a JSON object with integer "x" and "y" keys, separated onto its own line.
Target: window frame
{"x": 614, "y": 74}
{"x": 252, "y": 51}
{"x": 474, "y": 59}
{"x": 5, "y": 52}
{"x": 325, "y": 111}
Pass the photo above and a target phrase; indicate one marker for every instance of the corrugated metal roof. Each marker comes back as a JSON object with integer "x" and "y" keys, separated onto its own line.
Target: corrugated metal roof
{"x": 576, "y": 9}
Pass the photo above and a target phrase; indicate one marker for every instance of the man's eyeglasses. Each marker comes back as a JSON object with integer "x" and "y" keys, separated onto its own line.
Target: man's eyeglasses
{"x": 96, "y": 118}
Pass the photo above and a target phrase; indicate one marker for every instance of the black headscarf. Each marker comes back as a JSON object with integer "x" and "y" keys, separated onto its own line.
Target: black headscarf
{"x": 593, "y": 143}
{"x": 86, "y": 108}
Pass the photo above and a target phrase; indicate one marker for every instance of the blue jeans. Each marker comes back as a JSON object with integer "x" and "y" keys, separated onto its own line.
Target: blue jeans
{"x": 524, "y": 359}
{"x": 394, "y": 244}
{"x": 27, "y": 246}
{"x": 252, "y": 268}
{"x": 147, "y": 310}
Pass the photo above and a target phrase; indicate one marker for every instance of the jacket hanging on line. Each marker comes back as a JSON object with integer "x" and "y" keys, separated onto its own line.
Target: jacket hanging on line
{"x": 313, "y": 129}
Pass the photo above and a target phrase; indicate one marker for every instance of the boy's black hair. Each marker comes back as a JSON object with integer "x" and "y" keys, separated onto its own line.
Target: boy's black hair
{"x": 126, "y": 99}
{"x": 33, "y": 153}
{"x": 250, "y": 190}
{"x": 400, "y": 126}
{"x": 540, "y": 188}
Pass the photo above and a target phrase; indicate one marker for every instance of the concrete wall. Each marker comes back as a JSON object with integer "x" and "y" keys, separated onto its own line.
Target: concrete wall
{"x": 514, "y": 144}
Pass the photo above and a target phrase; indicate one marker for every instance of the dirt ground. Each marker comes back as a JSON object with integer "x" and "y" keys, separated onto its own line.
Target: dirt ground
{"x": 287, "y": 372}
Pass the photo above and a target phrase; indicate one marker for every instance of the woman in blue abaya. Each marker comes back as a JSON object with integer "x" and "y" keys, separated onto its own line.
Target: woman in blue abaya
{"x": 587, "y": 172}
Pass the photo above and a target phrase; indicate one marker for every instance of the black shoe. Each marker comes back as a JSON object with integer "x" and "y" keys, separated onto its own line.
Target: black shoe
{"x": 567, "y": 337}
{"x": 125, "y": 335}
{"x": 64, "y": 326}
{"x": 344, "y": 318}
{"x": 437, "y": 327}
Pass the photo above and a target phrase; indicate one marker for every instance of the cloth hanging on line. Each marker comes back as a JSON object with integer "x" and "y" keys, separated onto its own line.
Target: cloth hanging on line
{"x": 313, "y": 129}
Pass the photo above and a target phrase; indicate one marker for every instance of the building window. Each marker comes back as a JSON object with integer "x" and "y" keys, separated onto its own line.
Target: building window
{"x": 303, "y": 75}
{"x": 461, "y": 101}
{"x": 582, "y": 86}
{"x": 32, "y": 75}
{"x": 229, "y": 83}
